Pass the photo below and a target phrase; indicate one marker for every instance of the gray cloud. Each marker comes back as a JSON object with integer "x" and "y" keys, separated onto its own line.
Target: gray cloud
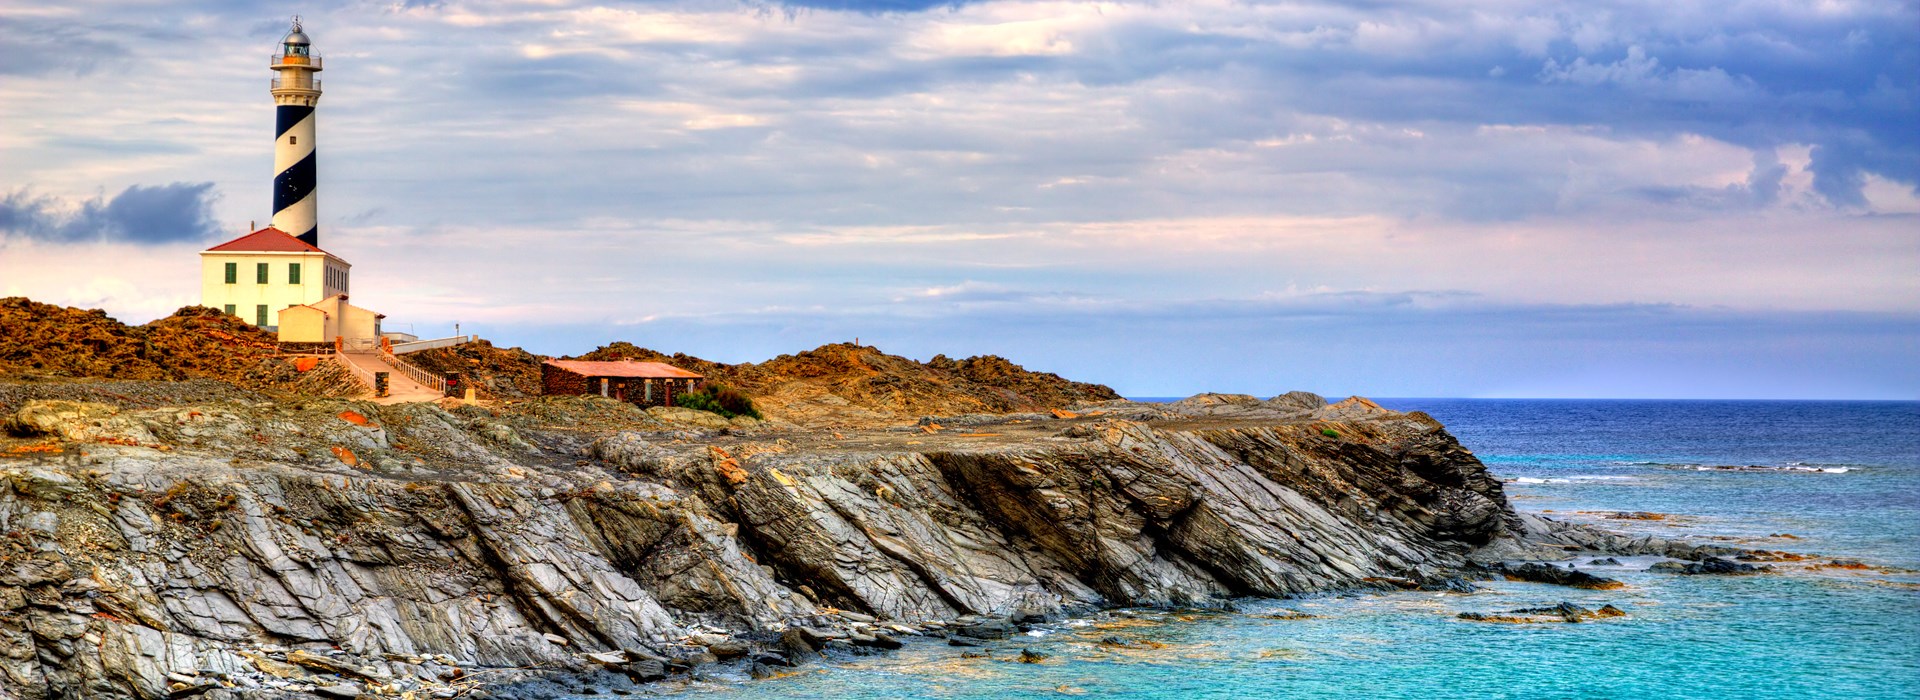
{"x": 180, "y": 211}
{"x": 37, "y": 47}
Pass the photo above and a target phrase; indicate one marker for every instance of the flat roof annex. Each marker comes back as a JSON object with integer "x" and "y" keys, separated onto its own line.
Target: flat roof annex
{"x": 623, "y": 368}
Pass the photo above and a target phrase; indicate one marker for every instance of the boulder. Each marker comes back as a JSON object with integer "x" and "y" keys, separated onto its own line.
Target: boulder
{"x": 986, "y": 629}
{"x": 45, "y": 484}
{"x": 1547, "y": 573}
{"x": 645, "y": 670}
{"x": 1564, "y": 610}
{"x": 1029, "y": 616}
{"x": 797, "y": 644}
{"x": 768, "y": 658}
{"x": 69, "y": 420}
{"x": 607, "y": 658}
{"x": 341, "y": 691}
{"x": 1708, "y": 566}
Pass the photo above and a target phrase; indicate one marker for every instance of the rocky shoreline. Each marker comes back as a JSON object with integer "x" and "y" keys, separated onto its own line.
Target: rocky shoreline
{"x": 232, "y": 545}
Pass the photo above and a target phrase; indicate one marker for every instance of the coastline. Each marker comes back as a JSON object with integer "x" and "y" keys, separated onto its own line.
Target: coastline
{"x": 559, "y": 534}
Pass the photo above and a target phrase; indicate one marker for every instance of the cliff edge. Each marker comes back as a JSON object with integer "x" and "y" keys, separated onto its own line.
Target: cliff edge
{"x": 243, "y": 547}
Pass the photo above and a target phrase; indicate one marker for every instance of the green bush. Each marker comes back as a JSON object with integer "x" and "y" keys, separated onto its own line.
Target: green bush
{"x": 718, "y": 398}
{"x": 1329, "y": 432}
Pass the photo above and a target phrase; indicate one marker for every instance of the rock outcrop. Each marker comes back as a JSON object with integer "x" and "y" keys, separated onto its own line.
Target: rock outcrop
{"x": 195, "y": 342}
{"x": 248, "y": 545}
{"x": 841, "y": 384}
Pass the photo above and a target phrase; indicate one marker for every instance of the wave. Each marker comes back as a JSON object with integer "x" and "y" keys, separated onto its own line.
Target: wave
{"x": 1791, "y": 467}
{"x": 1569, "y": 479}
{"x": 1809, "y": 467}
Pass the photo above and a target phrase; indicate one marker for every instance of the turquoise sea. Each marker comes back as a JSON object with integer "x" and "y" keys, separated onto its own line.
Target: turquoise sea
{"x": 1842, "y": 478}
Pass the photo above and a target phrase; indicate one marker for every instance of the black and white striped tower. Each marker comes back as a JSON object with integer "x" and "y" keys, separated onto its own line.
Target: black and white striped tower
{"x": 295, "y": 93}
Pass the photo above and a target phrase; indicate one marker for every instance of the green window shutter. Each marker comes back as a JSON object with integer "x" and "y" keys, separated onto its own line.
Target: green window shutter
{"x": 230, "y": 310}
{"x": 260, "y": 315}
{"x": 233, "y": 275}
{"x": 293, "y": 273}
{"x": 260, "y": 271}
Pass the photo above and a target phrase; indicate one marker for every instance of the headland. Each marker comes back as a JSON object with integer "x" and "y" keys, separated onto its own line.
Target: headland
{"x": 186, "y": 512}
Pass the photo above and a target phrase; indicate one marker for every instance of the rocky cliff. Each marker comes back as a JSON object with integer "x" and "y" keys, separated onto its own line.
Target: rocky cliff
{"x": 240, "y": 546}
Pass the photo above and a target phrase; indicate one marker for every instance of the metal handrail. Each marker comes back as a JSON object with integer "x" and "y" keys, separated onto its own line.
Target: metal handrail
{"x": 437, "y": 343}
{"x": 365, "y": 377}
{"x": 422, "y": 376}
{"x": 313, "y": 84}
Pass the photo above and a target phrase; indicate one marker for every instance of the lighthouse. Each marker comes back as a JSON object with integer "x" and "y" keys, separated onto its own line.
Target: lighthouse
{"x": 296, "y": 91}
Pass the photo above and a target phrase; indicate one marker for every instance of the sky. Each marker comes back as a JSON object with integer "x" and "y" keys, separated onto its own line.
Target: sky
{"x": 1493, "y": 198}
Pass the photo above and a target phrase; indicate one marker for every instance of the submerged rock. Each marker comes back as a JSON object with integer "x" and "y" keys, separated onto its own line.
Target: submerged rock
{"x": 1561, "y": 612}
{"x": 1546, "y": 573}
{"x": 1707, "y": 566}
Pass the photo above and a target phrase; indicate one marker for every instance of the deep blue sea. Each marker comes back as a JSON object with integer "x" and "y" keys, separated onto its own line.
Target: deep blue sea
{"x": 1842, "y": 478}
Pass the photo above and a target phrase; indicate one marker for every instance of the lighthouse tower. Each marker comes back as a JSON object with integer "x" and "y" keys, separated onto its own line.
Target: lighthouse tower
{"x": 278, "y": 277}
{"x": 296, "y": 91}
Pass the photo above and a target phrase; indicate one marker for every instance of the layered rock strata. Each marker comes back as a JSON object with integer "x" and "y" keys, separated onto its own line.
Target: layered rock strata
{"x": 253, "y": 547}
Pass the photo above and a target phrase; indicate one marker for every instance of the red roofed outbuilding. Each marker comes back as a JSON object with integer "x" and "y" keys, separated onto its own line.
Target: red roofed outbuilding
{"x": 639, "y": 383}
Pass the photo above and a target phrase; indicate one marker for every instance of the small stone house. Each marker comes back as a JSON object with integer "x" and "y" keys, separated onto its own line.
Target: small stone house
{"x": 639, "y": 383}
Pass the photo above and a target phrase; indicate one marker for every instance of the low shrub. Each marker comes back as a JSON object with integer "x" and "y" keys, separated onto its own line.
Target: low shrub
{"x": 1329, "y": 432}
{"x": 718, "y": 398}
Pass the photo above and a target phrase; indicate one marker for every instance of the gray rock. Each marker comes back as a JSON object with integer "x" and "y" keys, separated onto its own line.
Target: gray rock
{"x": 647, "y": 670}
{"x": 986, "y": 629}
{"x": 796, "y": 645}
{"x": 768, "y": 658}
{"x": 344, "y": 691}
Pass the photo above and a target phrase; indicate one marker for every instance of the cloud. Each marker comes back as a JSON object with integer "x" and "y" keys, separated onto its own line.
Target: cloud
{"x": 1032, "y": 159}
{"x": 180, "y": 211}
{"x": 34, "y": 46}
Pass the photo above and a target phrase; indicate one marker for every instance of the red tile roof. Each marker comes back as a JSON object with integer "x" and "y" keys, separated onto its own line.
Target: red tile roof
{"x": 623, "y": 368}
{"x": 266, "y": 240}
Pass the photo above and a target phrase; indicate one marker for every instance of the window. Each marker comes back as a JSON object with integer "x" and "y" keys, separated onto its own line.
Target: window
{"x": 233, "y": 275}
{"x": 293, "y": 273}
{"x": 293, "y": 140}
{"x": 260, "y": 271}
{"x": 230, "y": 310}
{"x": 260, "y": 315}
